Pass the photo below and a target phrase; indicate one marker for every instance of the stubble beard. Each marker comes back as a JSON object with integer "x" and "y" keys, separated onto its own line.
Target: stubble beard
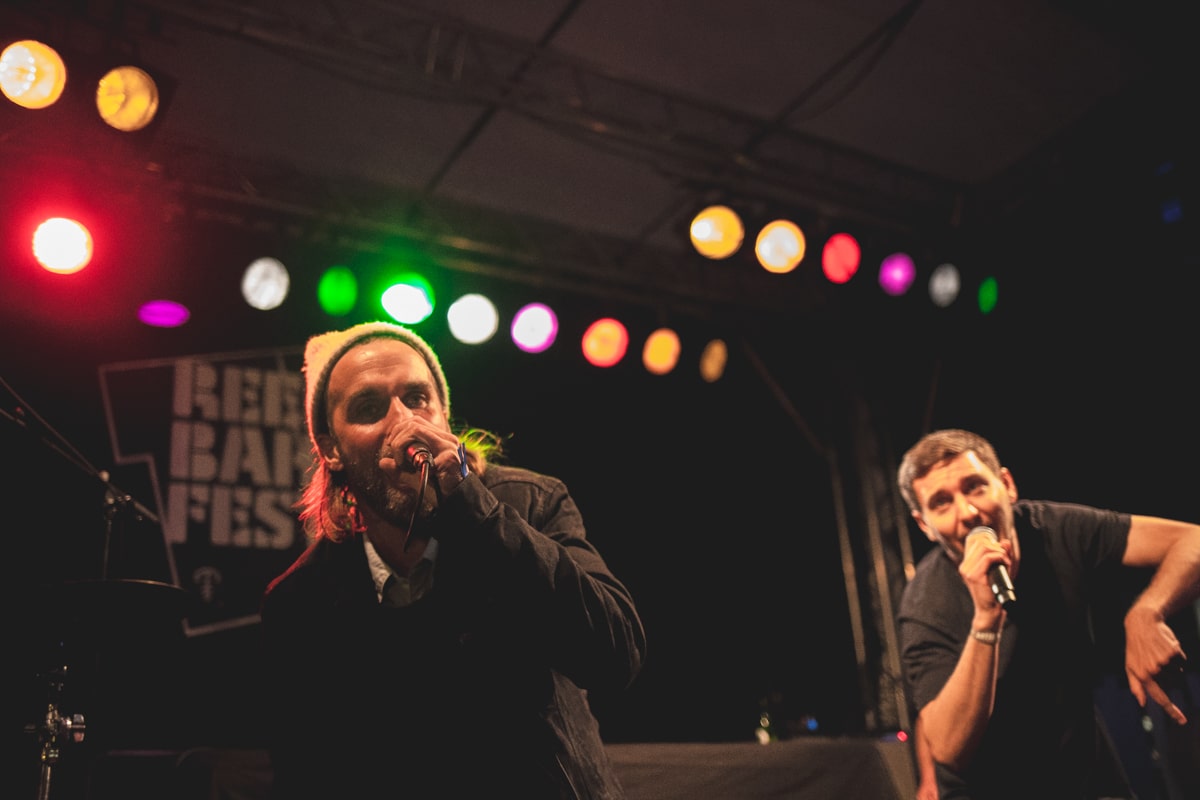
{"x": 371, "y": 488}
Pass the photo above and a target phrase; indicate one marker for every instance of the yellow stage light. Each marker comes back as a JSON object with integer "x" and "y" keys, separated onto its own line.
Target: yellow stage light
{"x": 661, "y": 351}
{"x": 780, "y": 246}
{"x": 127, "y": 98}
{"x": 32, "y": 74}
{"x": 717, "y": 232}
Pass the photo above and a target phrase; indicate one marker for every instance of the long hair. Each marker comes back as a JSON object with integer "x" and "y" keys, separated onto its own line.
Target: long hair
{"x": 328, "y": 509}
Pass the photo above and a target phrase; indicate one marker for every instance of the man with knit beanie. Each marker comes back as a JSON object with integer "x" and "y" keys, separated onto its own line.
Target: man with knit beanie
{"x": 439, "y": 636}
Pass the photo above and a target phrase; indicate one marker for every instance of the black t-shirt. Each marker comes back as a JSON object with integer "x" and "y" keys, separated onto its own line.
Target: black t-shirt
{"x": 1044, "y": 738}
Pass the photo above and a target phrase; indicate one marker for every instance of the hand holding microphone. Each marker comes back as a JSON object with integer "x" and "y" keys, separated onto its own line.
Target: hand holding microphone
{"x": 998, "y": 577}
{"x": 410, "y": 448}
{"x": 417, "y": 453}
{"x": 405, "y": 454}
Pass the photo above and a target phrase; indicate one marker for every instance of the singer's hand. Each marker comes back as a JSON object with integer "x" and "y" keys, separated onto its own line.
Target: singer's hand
{"x": 980, "y": 554}
{"x": 440, "y": 442}
{"x": 1151, "y": 649}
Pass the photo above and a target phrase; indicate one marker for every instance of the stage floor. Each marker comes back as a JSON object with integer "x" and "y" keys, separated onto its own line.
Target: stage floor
{"x": 816, "y": 768}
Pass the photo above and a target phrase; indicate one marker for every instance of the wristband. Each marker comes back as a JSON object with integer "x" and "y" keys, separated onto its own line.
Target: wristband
{"x": 987, "y": 637}
{"x": 463, "y": 469}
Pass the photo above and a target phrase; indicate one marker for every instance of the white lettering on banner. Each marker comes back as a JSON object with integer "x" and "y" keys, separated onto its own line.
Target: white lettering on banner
{"x": 239, "y": 452}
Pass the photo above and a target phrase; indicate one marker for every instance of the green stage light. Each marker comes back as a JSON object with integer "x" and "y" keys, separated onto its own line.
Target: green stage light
{"x": 337, "y": 291}
{"x": 409, "y": 299}
{"x": 989, "y": 294}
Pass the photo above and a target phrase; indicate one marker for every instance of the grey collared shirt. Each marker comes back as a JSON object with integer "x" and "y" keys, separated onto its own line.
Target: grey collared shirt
{"x": 396, "y": 589}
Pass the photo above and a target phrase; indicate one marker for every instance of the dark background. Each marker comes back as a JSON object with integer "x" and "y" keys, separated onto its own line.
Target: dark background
{"x": 714, "y": 503}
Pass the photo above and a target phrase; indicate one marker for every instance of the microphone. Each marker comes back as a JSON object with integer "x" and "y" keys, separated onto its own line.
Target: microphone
{"x": 1002, "y": 585}
{"x": 417, "y": 453}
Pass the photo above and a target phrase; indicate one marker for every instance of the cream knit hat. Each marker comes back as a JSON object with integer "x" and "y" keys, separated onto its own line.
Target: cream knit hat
{"x": 324, "y": 350}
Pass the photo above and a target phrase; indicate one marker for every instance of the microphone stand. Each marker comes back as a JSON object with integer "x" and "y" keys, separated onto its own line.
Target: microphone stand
{"x": 56, "y": 726}
{"x": 21, "y": 415}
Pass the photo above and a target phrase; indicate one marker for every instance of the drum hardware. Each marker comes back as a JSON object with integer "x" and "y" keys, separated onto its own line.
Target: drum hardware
{"x": 55, "y": 730}
{"x": 89, "y": 613}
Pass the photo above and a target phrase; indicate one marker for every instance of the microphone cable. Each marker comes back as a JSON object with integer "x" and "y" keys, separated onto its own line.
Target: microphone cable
{"x": 412, "y": 520}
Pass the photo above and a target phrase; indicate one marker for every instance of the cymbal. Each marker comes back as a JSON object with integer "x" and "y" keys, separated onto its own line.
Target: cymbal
{"x": 125, "y": 590}
{"x": 125, "y": 603}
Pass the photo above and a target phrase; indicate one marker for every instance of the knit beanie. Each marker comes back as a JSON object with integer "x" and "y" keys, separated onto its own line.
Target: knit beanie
{"x": 324, "y": 350}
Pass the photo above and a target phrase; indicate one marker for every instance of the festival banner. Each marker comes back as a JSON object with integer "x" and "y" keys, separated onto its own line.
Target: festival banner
{"x": 223, "y": 441}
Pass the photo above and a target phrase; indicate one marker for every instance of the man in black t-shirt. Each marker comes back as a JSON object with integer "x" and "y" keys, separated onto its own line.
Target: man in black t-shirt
{"x": 997, "y": 625}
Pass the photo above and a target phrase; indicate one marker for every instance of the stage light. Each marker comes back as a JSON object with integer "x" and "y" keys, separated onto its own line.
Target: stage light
{"x": 944, "y": 285}
{"x": 127, "y": 98}
{"x": 409, "y": 300}
{"x": 265, "y": 284}
{"x": 896, "y": 274}
{"x": 473, "y": 319}
{"x": 712, "y": 361}
{"x": 989, "y": 295}
{"x": 605, "y": 342}
{"x": 660, "y": 354}
{"x": 780, "y": 246}
{"x": 841, "y": 258}
{"x": 62, "y": 245}
{"x": 32, "y": 74}
{"x": 163, "y": 314}
{"x": 337, "y": 291}
{"x": 717, "y": 232}
{"x": 1171, "y": 210}
{"x": 534, "y": 328}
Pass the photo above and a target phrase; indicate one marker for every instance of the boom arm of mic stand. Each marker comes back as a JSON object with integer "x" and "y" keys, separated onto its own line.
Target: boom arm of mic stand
{"x": 22, "y": 416}
{"x": 115, "y": 497}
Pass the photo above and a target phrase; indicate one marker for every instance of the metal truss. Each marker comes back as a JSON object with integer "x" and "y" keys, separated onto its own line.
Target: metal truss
{"x": 398, "y": 48}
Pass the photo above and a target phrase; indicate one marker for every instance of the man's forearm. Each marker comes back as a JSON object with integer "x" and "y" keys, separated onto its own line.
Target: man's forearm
{"x": 956, "y": 719}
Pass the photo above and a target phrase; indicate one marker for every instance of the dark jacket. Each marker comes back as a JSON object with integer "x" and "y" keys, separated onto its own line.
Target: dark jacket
{"x": 479, "y": 688}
